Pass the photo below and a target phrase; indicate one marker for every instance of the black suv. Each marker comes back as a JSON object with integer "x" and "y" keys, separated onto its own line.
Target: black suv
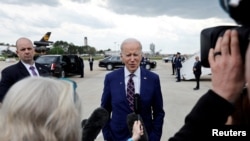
{"x": 62, "y": 65}
{"x": 112, "y": 62}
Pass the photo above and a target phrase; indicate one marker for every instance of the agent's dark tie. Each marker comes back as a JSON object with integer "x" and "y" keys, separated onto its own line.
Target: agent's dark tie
{"x": 131, "y": 91}
{"x": 32, "y": 68}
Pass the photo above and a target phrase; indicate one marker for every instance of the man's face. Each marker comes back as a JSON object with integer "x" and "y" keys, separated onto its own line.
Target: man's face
{"x": 25, "y": 51}
{"x": 131, "y": 55}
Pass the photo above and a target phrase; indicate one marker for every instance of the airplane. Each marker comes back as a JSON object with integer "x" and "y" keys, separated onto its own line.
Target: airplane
{"x": 41, "y": 46}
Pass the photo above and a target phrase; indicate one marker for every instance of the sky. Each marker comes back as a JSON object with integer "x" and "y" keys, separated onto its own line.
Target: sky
{"x": 171, "y": 25}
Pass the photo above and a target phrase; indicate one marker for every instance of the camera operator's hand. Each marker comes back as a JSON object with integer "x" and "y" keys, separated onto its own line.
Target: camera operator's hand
{"x": 247, "y": 68}
{"x": 227, "y": 66}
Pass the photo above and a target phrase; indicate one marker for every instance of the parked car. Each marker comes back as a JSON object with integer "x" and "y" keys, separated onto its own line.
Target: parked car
{"x": 167, "y": 59}
{"x": 112, "y": 62}
{"x": 61, "y": 65}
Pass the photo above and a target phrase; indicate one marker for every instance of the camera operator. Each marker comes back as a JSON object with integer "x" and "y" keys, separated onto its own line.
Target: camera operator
{"x": 230, "y": 74}
{"x": 213, "y": 108}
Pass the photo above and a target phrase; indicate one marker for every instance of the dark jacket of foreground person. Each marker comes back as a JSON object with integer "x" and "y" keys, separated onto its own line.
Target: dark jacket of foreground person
{"x": 210, "y": 112}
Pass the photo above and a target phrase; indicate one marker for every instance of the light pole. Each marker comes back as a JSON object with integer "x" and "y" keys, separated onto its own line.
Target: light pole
{"x": 118, "y": 45}
{"x": 115, "y": 46}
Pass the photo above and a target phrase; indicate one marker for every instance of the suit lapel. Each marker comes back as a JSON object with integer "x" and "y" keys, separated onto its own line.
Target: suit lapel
{"x": 39, "y": 68}
{"x": 122, "y": 84}
{"x": 144, "y": 80}
{"x": 22, "y": 69}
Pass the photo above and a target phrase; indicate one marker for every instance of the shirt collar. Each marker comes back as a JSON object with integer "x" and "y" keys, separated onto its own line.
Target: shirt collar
{"x": 28, "y": 65}
{"x": 127, "y": 73}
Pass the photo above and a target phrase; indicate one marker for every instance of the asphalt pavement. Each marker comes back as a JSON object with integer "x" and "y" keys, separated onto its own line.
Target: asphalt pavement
{"x": 179, "y": 97}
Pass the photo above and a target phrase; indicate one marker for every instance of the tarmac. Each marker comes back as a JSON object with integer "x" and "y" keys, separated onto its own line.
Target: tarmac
{"x": 179, "y": 97}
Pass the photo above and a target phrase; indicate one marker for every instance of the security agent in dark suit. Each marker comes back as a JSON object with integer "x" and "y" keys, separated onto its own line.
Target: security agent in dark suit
{"x": 91, "y": 61}
{"x": 173, "y": 64}
{"x": 10, "y": 75}
{"x": 178, "y": 66}
{"x": 197, "y": 72}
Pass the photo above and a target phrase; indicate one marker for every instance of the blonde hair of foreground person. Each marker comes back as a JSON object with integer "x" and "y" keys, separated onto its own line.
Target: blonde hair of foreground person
{"x": 40, "y": 109}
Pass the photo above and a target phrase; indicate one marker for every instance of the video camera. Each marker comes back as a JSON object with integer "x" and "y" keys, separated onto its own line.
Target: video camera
{"x": 238, "y": 10}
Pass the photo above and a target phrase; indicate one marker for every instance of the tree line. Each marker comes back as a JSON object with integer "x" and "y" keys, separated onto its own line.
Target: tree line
{"x": 60, "y": 47}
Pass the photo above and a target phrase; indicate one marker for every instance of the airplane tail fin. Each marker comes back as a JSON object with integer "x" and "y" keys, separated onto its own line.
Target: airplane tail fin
{"x": 45, "y": 38}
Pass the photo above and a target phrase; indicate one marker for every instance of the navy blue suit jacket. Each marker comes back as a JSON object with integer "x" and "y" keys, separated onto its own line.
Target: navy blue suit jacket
{"x": 16, "y": 72}
{"x": 115, "y": 102}
{"x": 197, "y": 66}
{"x": 177, "y": 62}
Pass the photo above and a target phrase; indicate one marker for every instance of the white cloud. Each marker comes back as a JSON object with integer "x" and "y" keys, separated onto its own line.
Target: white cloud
{"x": 72, "y": 21}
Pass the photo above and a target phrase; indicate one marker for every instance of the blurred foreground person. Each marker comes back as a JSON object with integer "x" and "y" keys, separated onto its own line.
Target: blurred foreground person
{"x": 41, "y": 109}
{"x": 48, "y": 109}
{"x": 212, "y": 110}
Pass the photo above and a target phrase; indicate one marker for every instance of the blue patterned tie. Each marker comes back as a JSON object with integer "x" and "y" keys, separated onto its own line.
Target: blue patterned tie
{"x": 131, "y": 91}
{"x": 32, "y": 68}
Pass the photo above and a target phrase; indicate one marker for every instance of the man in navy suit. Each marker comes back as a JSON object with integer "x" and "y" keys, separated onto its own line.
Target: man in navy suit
{"x": 197, "y": 72}
{"x": 146, "y": 84}
{"x": 10, "y": 75}
{"x": 178, "y": 66}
